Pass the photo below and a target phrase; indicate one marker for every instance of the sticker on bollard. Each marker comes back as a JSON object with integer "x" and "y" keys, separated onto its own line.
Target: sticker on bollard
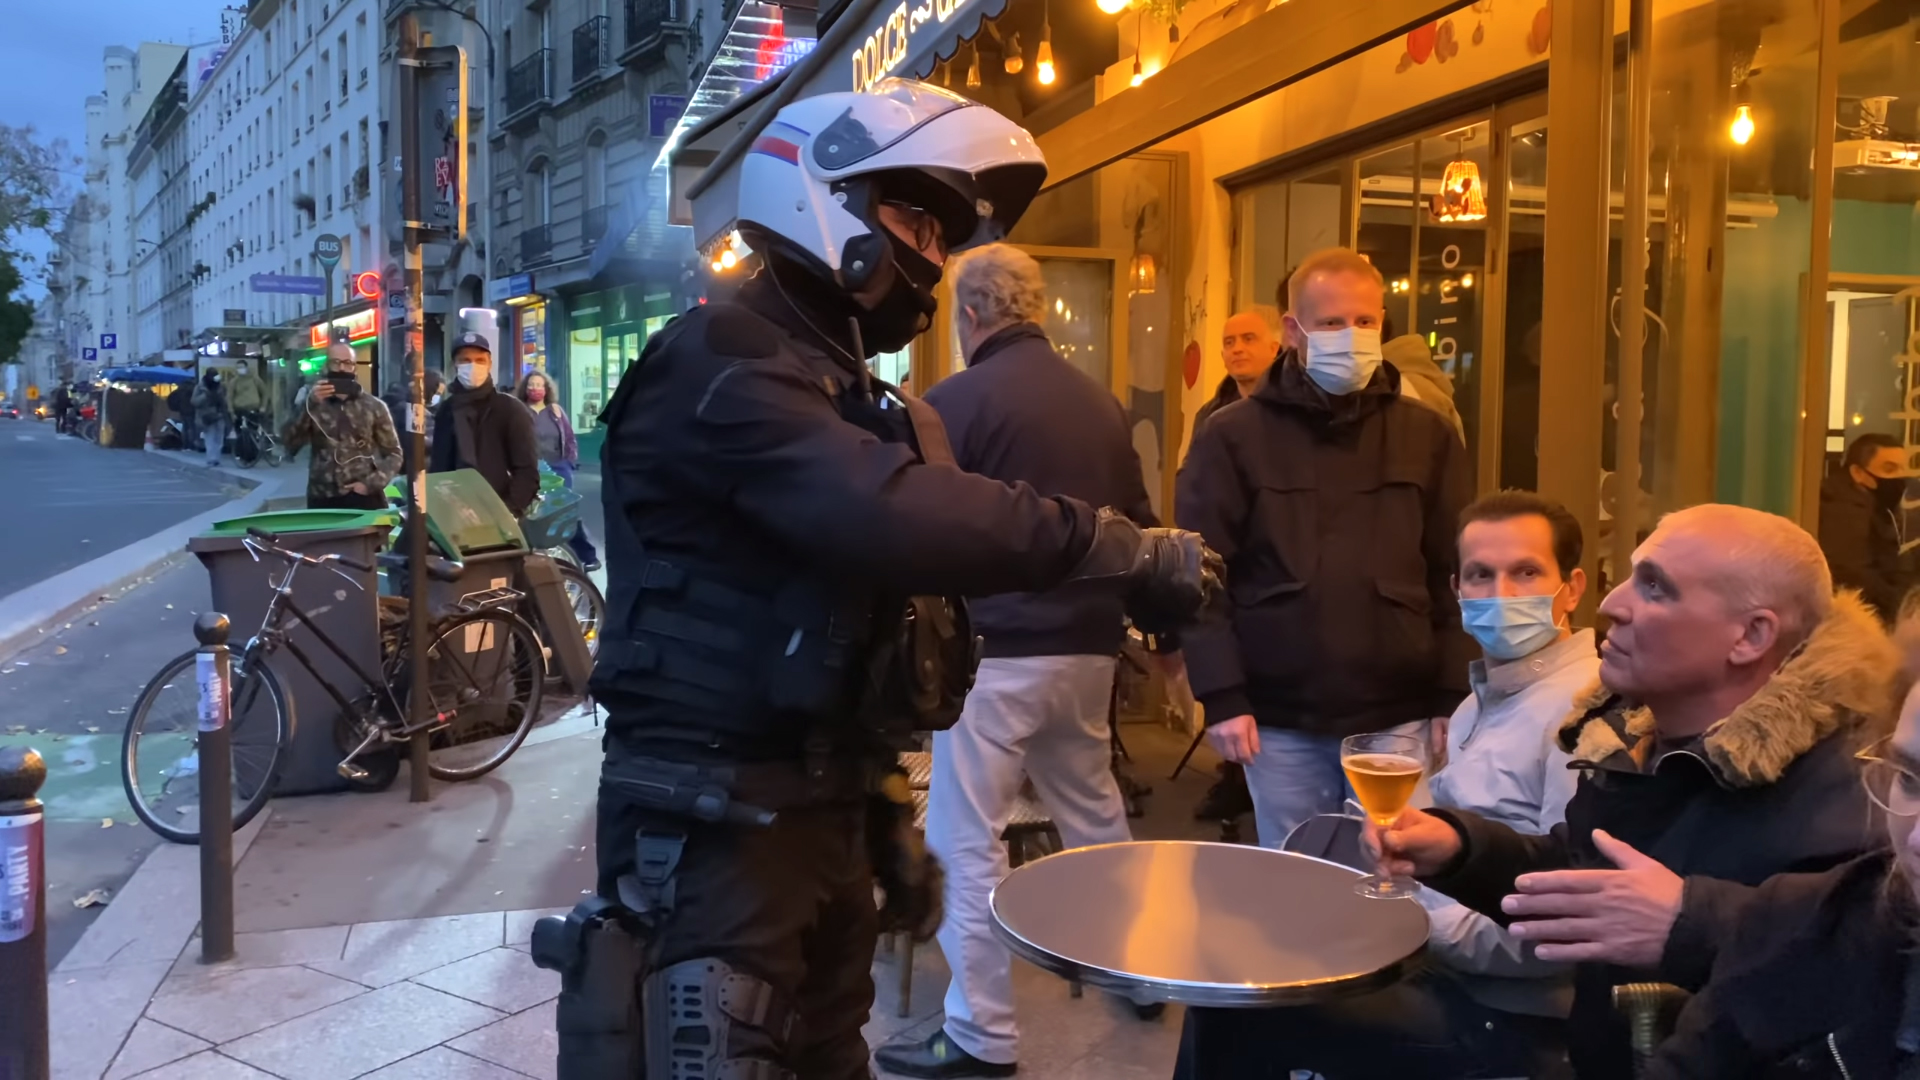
{"x": 213, "y": 696}
{"x": 19, "y": 854}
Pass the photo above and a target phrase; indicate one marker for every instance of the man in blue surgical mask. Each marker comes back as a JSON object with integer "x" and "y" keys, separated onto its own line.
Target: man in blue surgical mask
{"x": 1335, "y": 501}
{"x": 1486, "y": 1006}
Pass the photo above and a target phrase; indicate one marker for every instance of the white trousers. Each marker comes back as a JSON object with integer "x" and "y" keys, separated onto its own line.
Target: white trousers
{"x": 1043, "y": 717}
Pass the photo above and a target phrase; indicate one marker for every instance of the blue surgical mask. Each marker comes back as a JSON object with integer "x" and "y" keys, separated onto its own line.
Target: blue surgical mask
{"x": 1510, "y": 627}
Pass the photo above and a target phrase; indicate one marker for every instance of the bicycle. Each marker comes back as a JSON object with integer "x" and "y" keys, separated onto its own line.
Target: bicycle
{"x": 476, "y": 648}
{"x": 255, "y": 442}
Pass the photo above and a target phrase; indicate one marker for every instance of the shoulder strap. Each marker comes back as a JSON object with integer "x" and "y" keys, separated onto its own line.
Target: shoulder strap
{"x": 929, "y": 431}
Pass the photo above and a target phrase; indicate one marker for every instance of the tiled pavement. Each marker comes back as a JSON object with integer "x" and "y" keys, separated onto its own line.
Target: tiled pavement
{"x": 454, "y": 996}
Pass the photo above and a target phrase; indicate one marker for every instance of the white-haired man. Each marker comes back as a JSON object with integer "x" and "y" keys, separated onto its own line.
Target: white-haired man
{"x": 1022, "y": 414}
{"x": 1735, "y": 688}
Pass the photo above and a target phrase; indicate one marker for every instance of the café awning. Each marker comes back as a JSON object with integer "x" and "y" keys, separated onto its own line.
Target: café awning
{"x": 869, "y": 41}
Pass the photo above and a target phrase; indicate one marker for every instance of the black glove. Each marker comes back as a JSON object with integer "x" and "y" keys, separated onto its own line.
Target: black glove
{"x": 909, "y": 876}
{"x": 1167, "y": 576}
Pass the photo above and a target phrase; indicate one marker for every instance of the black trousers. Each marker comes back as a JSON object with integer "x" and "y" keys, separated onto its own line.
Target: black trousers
{"x": 790, "y": 903}
{"x": 1424, "y": 1026}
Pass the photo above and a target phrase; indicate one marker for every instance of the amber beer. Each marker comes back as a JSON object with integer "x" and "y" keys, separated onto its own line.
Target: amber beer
{"x": 1383, "y": 783}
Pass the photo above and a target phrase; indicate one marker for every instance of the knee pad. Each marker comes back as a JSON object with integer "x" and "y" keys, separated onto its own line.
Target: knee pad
{"x": 707, "y": 1021}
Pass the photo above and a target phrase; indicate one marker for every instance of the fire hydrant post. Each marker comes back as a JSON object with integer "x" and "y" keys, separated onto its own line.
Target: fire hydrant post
{"x": 23, "y": 917}
{"x": 214, "y": 669}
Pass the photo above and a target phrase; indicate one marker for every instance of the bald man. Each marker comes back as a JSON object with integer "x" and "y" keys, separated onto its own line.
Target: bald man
{"x": 1734, "y": 690}
{"x": 1248, "y": 344}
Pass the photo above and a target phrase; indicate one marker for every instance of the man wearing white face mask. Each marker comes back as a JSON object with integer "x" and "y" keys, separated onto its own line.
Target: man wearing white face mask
{"x": 479, "y": 428}
{"x": 1334, "y": 501}
{"x": 1486, "y": 1007}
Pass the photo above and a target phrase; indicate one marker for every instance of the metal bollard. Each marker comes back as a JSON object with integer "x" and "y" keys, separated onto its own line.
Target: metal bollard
{"x": 23, "y": 917}
{"x": 214, "y": 668}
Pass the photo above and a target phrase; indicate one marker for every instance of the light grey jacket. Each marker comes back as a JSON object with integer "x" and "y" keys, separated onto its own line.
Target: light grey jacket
{"x": 1502, "y": 763}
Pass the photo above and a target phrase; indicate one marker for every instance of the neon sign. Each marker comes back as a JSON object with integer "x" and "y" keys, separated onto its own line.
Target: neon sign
{"x": 359, "y": 326}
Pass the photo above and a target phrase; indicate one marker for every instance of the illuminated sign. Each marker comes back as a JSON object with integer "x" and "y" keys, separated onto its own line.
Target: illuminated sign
{"x": 360, "y": 326}
{"x": 366, "y": 284}
{"x": 898, "y": 37}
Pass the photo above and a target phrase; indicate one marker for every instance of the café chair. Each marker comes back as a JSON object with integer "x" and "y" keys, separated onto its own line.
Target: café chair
{"x": 1333, "y": 837}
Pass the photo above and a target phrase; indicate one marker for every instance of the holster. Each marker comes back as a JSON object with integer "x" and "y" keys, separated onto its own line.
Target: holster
{"x": 600, "y": 953}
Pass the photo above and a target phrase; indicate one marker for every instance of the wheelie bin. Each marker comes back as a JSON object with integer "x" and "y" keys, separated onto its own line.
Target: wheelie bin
{"x": 342, "y": 603}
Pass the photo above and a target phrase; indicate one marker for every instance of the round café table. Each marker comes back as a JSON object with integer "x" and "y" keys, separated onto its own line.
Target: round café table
{"x": 1214, "y": 925}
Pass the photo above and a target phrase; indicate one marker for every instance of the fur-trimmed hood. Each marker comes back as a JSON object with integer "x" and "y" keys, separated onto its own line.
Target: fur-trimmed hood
{"x": 1847, "y": 673}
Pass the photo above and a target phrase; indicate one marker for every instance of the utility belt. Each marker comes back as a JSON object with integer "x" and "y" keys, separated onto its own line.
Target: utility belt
{"x": 748, "y": 666}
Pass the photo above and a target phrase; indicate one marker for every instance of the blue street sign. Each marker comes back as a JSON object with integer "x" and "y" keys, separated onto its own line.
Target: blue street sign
{"x": 109, "y": 341}
{"x": 288, "y": 283}
{"x": 89, "y": 354}
{"x": 663, "y": 112}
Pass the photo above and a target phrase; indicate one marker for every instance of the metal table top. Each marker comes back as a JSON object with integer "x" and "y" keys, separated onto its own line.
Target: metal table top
{"x": 1221, "y": 925}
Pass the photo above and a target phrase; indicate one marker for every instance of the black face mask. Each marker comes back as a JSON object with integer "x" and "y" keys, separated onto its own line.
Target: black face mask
{"x": 345, "y": 386}
{"x": 1887, "y": 492}
{"x": 907, "y": 308}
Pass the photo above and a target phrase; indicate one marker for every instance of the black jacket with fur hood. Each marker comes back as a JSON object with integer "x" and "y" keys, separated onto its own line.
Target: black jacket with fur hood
{"x": 1770, "y": 789}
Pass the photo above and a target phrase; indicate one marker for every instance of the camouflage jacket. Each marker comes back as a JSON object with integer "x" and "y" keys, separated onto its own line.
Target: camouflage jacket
{"x": 353, "y": 442}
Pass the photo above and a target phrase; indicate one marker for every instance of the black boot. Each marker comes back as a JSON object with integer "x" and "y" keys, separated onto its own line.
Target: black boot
{"x": 939, "y": 1058}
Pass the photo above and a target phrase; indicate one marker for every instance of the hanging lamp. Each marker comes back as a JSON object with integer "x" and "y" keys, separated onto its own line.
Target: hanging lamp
{"x": 1014, "y": 60}
{"x": 1043, "y": 57}
{"x": 1462, "y": 197}
{"x": 973, "y": 69}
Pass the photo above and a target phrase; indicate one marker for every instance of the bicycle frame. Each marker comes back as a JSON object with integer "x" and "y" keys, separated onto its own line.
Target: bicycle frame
{"x": 273, "y": 635}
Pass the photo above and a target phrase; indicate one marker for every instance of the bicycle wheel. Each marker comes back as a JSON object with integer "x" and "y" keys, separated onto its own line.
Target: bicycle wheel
{"x": 160, "y": 753}
{"x": 589, "y": 606}
{"x": 486, "y": 672}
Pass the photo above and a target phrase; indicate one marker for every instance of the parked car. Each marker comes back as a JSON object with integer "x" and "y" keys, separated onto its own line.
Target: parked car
{"x": 9, "y": 411}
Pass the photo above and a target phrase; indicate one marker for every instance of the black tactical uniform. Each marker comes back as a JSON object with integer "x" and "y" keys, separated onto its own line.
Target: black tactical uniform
{"x": 765, "y": 518}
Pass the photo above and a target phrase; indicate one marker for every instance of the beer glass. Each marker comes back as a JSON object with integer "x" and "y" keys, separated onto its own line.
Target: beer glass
{"x": 1383, "y": 770}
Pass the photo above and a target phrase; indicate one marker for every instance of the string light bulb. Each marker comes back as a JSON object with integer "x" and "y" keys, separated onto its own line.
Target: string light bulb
{"x": 1741, "y": 130}
{"x": 1043, "y": 57}
{"x": 1138, "y": 77}
{"x": 1113, "y": 7}
{"x": 973, "y": 70}
{"x": 1015, "y": 61}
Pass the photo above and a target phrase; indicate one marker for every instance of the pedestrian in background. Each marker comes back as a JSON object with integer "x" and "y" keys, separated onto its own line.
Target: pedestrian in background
{"x": 1038, "y": 709}
{"x": 211, "y": 414}
{"x": 479, "y": 428}
{"x": 355, "y": 450}
{"x": 247, "y": 392}
{"x": 1860, "y": 522}
{"x": 1335, "y": 501}
{"x": 554, "y": 438}
{"x": 1249, "y": 343}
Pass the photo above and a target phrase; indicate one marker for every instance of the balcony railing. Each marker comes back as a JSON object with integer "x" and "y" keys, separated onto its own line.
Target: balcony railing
{"x": 593, "y": 226}
{"x": 592, "y": 48}
{"x": 530, "y": 82}
{"x": 647, "y": 18}
{"x": 536, "y": 245}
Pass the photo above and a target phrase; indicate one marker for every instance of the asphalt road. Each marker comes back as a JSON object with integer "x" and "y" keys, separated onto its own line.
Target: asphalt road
{"x": 68, "y": 697}
{"x": 66, "y": 501}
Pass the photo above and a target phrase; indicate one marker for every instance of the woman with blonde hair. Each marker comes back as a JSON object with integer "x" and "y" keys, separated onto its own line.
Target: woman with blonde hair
{"x": 558, "y": 447}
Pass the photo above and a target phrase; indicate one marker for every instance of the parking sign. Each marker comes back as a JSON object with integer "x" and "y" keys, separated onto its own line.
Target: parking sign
{"x": 89, "y": 354}
{"x": 109, "y": 341}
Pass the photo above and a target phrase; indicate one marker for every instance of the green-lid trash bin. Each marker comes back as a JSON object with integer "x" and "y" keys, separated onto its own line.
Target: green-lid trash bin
{"x": 342, "y": 603}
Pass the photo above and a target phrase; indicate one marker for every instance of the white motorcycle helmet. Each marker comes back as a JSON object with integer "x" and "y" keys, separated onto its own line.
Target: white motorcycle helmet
{"x": 813, "y": 180}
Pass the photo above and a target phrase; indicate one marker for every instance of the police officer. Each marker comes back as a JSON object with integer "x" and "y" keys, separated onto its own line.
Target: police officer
{"x": 772, "y": 516}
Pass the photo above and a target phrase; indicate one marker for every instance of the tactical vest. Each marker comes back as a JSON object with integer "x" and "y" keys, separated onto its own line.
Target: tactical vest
{"x": 768, "y": 656}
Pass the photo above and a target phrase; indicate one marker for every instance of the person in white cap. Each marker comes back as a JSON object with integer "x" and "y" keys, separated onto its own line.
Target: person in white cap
{"x": 479, "y": 428}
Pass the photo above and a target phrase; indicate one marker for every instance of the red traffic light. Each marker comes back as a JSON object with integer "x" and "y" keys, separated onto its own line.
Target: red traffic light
{"x": 366, "y": 284}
